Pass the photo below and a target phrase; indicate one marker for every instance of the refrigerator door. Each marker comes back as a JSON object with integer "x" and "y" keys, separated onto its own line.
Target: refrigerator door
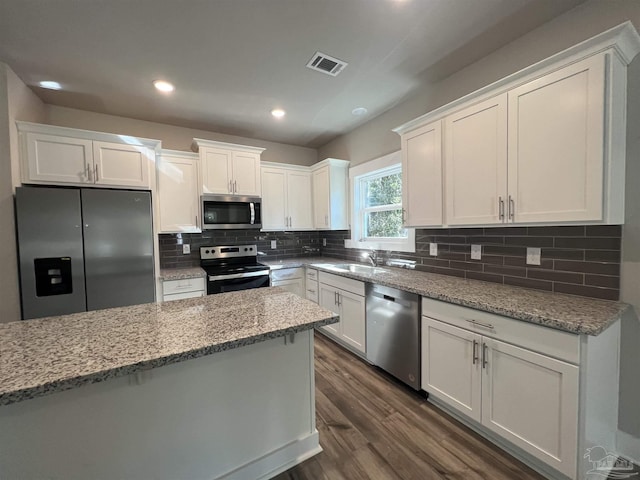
{"x": 49, "y": 228}
{"x": 118, "y": 246}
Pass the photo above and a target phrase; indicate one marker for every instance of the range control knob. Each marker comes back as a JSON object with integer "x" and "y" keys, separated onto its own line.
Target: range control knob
{"x": 206, "y": 251}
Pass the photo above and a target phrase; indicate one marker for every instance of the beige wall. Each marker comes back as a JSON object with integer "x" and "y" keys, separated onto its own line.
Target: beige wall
{"x": 17, "y": 102}
{"x": 375, "y": 138}
{"x": 172, "y": 137}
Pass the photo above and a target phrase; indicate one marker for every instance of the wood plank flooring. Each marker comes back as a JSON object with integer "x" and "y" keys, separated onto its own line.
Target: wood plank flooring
{"x": 373, "y": 427}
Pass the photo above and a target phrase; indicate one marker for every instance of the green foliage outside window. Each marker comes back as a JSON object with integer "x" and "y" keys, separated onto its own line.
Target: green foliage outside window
{"x": 379, "y": 192}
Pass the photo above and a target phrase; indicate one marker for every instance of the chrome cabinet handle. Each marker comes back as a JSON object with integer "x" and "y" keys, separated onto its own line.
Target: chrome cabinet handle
{"x": 96, "y": 169}
{"x": 512, "y": 207}
{"x": 339, "y": 299}
{"x": 290, "y": 222}
{"x": 501, "y": 208}
{"x": 235, "y": 186}
{"x": 311, "y": 291}
{"x": 196, "y": 220}
{"x": 230, "y": 186}
{"x": 475, "y": 352}
{"x": 480, "y": 324}
{"x": 88, "y": 173}
{"x": 485, "y": 362}
{"x": 335, "y": 298}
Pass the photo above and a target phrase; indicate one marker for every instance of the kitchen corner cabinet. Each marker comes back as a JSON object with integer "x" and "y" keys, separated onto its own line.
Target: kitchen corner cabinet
{"x": 178, "y": 193}
{"x": 286, "y": 198}
{"x": 330, "y": 194}
{"x": 422, "y": 176}
{"x": 67, "y": 156}
{"x": 291, "y": 279}
{"x": 229, "y": 169}
{"x": 344, "y": 297}
{"x": 543, "y": 146}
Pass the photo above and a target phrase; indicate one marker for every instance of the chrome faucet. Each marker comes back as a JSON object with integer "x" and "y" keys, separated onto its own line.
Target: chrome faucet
{"x": 372, "y": 257}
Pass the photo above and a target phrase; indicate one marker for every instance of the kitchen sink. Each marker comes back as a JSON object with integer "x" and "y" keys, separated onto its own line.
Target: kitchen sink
{"x": 353, "y": 268}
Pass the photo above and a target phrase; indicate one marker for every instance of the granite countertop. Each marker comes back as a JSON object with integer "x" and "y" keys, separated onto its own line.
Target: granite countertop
{"x": 43, "y": 356}
{"x": 574, "y": 314}
{"x": 181, "y": 273}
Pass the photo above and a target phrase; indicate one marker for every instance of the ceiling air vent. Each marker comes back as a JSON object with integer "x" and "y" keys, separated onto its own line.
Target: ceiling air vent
{"x": 326, "y": 64}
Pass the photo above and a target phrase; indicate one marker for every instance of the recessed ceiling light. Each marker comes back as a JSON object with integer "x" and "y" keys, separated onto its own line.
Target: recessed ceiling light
{"x": 278, "y": 113}
{"x": 163, "y": 86}
{"x": 359, "y": 111}
{"x": 50, "y": 85}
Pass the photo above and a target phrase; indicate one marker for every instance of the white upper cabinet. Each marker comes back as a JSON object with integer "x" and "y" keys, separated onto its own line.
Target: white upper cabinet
{"x": 286, "y": 198}
{"x": 121, "y": 164}
{"x": 422, "y": 176}
{"x": 556, "y": 145}
{"x": 67, "y": 156}
{"x": 229, "y": 169}
{"x": 476, "y": 163}
{"x": 330, "y": 194}
{"x": 543, "y": 146}
{"x": 178, "y": 195}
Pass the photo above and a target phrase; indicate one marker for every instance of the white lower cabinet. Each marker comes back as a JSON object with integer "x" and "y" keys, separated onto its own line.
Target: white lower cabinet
{"x": 344, "y": 297}
{"x": 311, "y": 285}
{"x": 183, "y": 288}
{"x": 291, "y": 279}
{"x": 525, "y": 397}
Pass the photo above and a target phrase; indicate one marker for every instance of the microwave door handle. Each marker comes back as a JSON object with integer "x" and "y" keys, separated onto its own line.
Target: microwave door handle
{"x": 253, "y": 213}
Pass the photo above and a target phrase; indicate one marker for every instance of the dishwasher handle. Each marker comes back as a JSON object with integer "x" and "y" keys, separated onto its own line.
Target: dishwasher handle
{"x": 389, "y": 298}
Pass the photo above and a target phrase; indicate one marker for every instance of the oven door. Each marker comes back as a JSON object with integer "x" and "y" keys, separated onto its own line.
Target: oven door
{"x": 235, "y": 282}
{"x": 229, "y": 211}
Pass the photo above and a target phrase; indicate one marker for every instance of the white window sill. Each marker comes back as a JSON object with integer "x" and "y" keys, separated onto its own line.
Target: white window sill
{"x": 403, "y": 246}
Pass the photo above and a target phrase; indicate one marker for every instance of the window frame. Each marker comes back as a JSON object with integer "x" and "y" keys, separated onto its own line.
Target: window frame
{"x": 379, "y": 167}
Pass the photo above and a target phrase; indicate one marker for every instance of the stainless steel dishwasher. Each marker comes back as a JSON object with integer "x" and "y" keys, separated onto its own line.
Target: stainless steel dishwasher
{"x": 393, "y": 332}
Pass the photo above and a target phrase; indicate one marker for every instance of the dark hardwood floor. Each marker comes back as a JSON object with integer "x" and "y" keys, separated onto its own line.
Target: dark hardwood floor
{"x": 372, "y": 427}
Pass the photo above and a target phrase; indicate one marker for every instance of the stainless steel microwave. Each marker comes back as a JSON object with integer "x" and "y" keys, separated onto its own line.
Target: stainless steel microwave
{"x": 230, "y": 211}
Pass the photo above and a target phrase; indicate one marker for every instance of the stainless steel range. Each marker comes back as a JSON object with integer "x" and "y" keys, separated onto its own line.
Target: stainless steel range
{"x": 233, "y": 267}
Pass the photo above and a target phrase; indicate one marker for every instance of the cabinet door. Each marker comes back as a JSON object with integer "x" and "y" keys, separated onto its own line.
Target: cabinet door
{"x": 329, "y": 299}
{"x": 352, "y": 320}
{"x": 476, "y": 164}
{"x": 532, "y": 401}
{"x": 451, "y": 366}
{"x": 294, "y": 286}
{"x": 299, "y": 200}
{"x": 422, "y": 176}
{"x": 122, "y": 165}
{"x": 556, "y": 145}
{"x": 55, "y": 159}
{"x": 178, "y": 194}
{"x": 274, "y": 194}
{"x": 216, "y": 170}
{"x": 246, "y": 173}
{"x": 321, "y": 194}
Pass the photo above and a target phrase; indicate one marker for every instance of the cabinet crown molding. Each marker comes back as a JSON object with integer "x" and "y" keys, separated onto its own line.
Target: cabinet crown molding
{"x": 622, "y": 40}
{"x": 201, "y": 142}
{"x": 165, "y": 152}
{"x": 28, "y": 127}
{"x": 330, "y": 161}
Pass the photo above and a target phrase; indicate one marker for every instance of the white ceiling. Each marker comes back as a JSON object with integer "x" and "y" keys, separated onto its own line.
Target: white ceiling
{"x": 233, "y": 61}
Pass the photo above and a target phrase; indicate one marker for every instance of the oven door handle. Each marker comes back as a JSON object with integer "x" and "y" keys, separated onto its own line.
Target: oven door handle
{"x": 259, "y": 273}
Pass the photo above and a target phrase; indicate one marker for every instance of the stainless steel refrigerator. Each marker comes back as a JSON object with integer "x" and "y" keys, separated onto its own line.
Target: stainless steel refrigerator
{"x": 83, "y": 249}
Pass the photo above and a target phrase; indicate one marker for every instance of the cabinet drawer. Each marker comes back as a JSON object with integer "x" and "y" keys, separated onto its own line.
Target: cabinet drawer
{"x": 287, "y": 274}
{"x": 312, "y": 291}
{"x": 312, "y": 275}
{"x": 348, "y": 284}
{"x": 180, "y": 296}
{"x": 170, "y": 287}
{"x": 556, "y": 343}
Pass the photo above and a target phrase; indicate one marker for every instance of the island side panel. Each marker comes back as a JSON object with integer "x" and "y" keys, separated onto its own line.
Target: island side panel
{"x": 232, "y": 414}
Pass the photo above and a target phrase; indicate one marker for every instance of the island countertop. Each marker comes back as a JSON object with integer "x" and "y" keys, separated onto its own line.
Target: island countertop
{"x": 43, "y": 356}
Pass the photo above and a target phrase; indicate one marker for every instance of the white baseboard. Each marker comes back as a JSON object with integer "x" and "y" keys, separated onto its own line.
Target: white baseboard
{"x": 277, "y": 461}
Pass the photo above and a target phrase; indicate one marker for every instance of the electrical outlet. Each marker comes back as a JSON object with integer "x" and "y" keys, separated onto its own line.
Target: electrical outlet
{"x": 433, "y": 249}
{"x": 186, "y": 249}
{"x": 533, "y": 256}
{"x": 476, "y": 252}
{"x": 273, "y": 244}
{"x": 324, "y": 242}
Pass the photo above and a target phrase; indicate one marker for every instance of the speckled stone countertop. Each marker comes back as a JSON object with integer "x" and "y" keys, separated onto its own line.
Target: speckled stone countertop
{"x": 181, "y": 273}
{"x": 43, "y": 356}
{"x": 580, "y": 315}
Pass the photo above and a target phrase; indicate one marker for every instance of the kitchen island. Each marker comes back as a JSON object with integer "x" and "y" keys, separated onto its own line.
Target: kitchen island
{"x": 212, "y": 387}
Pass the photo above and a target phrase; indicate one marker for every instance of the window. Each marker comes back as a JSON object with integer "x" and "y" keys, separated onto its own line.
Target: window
{"x": 376, "y": 188}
